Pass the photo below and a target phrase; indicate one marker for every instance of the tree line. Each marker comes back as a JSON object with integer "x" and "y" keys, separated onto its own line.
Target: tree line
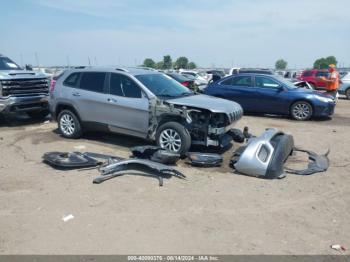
{"x": 167, "y": 63}
{"x": 320, "y": 63}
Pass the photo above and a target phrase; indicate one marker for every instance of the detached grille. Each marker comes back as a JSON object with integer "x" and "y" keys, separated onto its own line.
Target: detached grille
{"x": 22, "y": 87}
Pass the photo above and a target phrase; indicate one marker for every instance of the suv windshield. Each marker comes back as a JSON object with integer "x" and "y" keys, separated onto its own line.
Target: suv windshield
{"x": 163, "y": 86}
{"x": 8, "y": 64}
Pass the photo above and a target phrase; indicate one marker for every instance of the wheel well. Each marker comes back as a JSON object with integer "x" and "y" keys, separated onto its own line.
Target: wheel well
{"x": 62, "y": 107}
{"x": 171, "y": 118}
{"x": 302, "y": 100}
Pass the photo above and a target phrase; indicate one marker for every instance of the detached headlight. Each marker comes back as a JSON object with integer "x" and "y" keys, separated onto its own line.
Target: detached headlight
{"x": 324, "y": 99}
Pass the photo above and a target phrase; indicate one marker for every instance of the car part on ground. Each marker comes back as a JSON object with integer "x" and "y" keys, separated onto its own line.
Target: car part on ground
{"x": 69, "y": 160}
{"x": 237, "y": 135}
{"x": 125, "y": 166}
{"x": 76, "y": 160}
{"x": 204, "y": 159}
{"x": 22, "y": 90}
{"x": 264, "y": 156}
{"x": 318, "y": 163}
{"x": 156, "y": 154}
{"x": 154, "y": 107}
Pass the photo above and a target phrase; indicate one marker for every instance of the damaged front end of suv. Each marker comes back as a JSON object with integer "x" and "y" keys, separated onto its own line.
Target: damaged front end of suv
{"x": 206, "y": 119}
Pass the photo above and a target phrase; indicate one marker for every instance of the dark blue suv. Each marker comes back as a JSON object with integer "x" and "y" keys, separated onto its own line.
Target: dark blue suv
{"x": 270, "y": 94}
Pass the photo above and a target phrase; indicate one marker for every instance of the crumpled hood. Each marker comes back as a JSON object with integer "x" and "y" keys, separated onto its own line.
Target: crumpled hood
{"x": 213, "y": 104}
{"x": 15, "y": 74}
{"x": 310, "y": 91}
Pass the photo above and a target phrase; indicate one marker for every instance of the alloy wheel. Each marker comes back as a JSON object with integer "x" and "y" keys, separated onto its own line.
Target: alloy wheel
{"x": 67, "y": 124}
{"x": 170, "y": 140}
{"x": 301, "y": 111}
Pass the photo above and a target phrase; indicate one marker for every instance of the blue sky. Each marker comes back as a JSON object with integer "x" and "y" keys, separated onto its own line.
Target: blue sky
{"x": 219, "y": 33}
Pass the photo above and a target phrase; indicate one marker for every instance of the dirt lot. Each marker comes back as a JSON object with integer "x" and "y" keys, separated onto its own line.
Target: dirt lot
{"x": 214, "y": 211}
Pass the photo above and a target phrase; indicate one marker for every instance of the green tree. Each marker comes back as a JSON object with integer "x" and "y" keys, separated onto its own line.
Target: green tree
{"x": 160, "y": 65}
{"x": 167, "y": 62}
{"x": 281, "y": 64}
{"x": 148, "y": 62}
{"x": 322, "y": 63}
{"x": 181, "y": 62}
{"x": 191, "y": 65}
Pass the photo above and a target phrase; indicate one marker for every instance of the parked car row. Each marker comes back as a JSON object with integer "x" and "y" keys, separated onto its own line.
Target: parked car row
{"x": 164, "y": 107}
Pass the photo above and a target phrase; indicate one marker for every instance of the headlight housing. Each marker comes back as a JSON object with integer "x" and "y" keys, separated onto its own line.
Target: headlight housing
{"x": 324, "y": 99}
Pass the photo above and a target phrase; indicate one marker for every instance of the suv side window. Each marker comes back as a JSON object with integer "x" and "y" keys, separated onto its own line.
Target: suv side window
{"x": 71, "y": 80}
{"x": 321, "y": 73}
{"x": 307, "y": 73}
{"x": 121, "y": 85}
{"x": 242, "y": 81}
{"x": 93, "y": 81}
{"x": 115, "y": 85}
{"x": 265, "y": 82}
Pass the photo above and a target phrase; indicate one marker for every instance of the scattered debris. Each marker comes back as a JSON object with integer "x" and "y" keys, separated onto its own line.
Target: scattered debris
{"x": 68, "y": 217}
{"x": 237, "y": 135}
{"x": 338, "y": 247}
{"x": 155, "y": 154}
{"x": 318, "y": 163}
{"x": 79, "y": 147}
{"x": 149, "y": 168}
{"x": 76, "y": 160}
{"x": 263, "y": 156}
{"x": 204, "y": 159}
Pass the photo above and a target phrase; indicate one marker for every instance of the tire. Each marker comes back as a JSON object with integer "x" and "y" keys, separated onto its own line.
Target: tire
{"x": 347, "y": 93}
{"x": 69, "y": 124}
{"x": 38, "y": 114}
{"x": 180, "y": 139}
{"x": 301, "y": 111}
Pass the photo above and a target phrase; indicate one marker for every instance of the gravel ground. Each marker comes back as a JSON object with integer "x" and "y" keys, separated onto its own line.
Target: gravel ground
{"x": 214, "y": 211}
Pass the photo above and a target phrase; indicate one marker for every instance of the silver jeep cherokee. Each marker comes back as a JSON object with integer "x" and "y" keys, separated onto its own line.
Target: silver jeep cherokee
{"x": 140, "y": 102}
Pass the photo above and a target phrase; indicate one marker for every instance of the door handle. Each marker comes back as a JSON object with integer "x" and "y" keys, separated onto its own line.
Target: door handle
{"x": 76, "y": 94}
{"x": 112, "y": 100}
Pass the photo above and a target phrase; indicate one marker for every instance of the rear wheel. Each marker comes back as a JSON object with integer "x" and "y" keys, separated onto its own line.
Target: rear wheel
{"x": 69, "y": 124}
{"x": 301, "y": 110}
{"x": 38, "y": 114}
{"x": 174, "y": 137}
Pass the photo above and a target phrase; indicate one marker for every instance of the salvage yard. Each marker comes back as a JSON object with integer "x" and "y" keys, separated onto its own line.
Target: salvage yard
{"x": 214, "y": 211}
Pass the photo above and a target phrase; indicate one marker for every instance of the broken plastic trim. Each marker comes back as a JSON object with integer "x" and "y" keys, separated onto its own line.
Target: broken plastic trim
{"x": 76, "y": 160}
{"x": 318, "y": 163}
{"x": 120, "y": 168}
{"x": 155, "y": 154}
{"x": 204, "y": 159}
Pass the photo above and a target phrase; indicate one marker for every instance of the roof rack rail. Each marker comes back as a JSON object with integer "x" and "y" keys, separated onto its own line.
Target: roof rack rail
{"x": 121, "y": 69}
{"x": 79, "y": 67}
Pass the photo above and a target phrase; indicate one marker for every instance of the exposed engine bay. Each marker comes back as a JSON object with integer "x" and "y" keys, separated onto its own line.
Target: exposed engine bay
{"x": 206, "y": 127}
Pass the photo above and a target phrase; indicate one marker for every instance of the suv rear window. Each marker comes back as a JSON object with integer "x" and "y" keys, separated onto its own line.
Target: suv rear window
{"x": 71, "y": 80}
{"x": 93, "y": 81}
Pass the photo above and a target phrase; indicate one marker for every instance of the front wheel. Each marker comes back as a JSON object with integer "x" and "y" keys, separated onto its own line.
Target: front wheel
{"x": 301, "y": 110}
{"x": 69, "y": 124}
{"x": 174, "y": 137}
{"x": 347, "y": 93}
